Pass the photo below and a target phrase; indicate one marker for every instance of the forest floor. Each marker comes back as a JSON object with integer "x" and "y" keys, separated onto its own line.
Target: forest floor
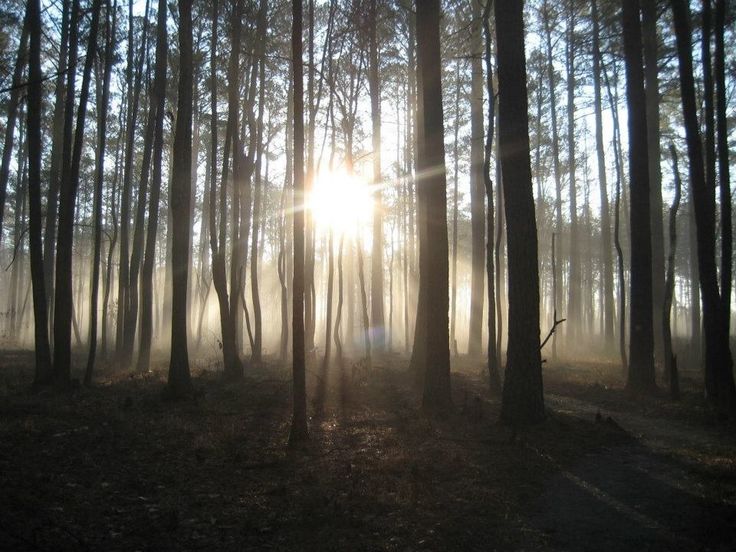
{"x": 118, "y": 467}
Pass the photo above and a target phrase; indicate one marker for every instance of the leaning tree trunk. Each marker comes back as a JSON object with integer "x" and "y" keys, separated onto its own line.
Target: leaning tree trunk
{"x": 523, "y": 399}
{"x": 179, "y": 382}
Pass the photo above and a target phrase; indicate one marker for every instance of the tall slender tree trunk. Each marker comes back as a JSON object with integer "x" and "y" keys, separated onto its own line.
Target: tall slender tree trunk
{"x": 494, "y": 360}
{"x": 374, "y": 85}
{"x": 42, "y": 373}
{"x": 455, "y": 207}
{"x": 574, "y": 282}
{"x": 723, "y": 164}
{"x": 299, "y": 431}
{"x": 255, "y": 294}
{"x": 433, "y": 259}
{"x": 557, "y": 300}
{"x": 651, "y": 81}
{"x": 617, "y": 225}
{"x": 477, "y": 207}
{"x": 179, "y": 382}
{"x": 605, "y": 223}
{"x": 718, "y": 361}
{"x": 63, "y": 309}
{"x": 670, "y": 362}
{"x": 110, "y": 28}
{"x": 149, "y": 255}
{"x": 641, "y": 361}
{"x": 59, "y": 141}
{"x": 523, "y": 399}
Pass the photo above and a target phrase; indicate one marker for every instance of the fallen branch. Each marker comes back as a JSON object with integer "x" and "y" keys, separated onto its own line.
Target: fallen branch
{"x": 551, "y": 332}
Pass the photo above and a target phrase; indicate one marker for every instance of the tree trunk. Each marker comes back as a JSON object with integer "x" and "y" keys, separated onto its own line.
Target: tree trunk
{"x": 158, "y": 100}
{"x": 374, "y": 84}
{"x": 523, "y": 399}
{"x": 434, "y": 258}
{"x": 179, "y": 382}
{"x": 59, "y": 141}
{"x": 723, "y": 165}
{"x": 651, "y": 81}
{"x": 42, "y": 373}
{"x": 455, "y": 207}
{"x": 641, "y": 361}
{"x": 299, "y": 431}
{"x": 99, "y": 179}
{"x": 477, "y": 207}
{"x": 574, "y": 282}
{"x": 718, "y": 363}
{"x": 557, "y": 300}
{"x": 494, "y": 360}
{"x": 670, "y": 362}
{"x": 605, "y": 223}
{"x": 63, "y": 309}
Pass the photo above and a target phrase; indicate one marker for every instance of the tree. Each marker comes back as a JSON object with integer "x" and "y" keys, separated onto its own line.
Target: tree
{"x": 13, "y": 102}
{"x": 63, "y": 310}
{"x": 723, "y": 164}
{"x": 299, "y": 431}
{"x": 374, "y": 84}
{"x": 719, "y": 383}
{"x": 42, "y": 373}
{"x": 158, "y": 98}
{"x": 179, "y": 382}
{"x": 476, "y": 184}
{"x": 641, "y": 358}
{"x": 103, "y": 104}
{"x": 651, "y": 82}
{"x": 433, "y": 258}
{"x": 606, "y": 247}
{"x": 494, "y": 361}
{"x": 670, "y": 361}
{"x": 523, "y": 399}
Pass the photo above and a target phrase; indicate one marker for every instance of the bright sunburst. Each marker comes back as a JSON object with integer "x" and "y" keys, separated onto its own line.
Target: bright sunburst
{"x": 341, "y": 202}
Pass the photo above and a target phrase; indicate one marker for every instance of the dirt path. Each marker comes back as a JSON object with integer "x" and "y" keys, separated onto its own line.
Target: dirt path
{"x": 672, "y": 487}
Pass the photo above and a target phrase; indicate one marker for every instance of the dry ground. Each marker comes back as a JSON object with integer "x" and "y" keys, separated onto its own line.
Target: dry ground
{"x": 117, "y": 467}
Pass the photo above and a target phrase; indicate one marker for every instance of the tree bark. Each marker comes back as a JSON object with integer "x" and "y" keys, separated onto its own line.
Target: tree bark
{"x": 374, "y": 85}
{"x": 110, "y": 29}
{"x": 179, "y": 382}
{"x": 63, "y": 309}
{"x": 641, "y": 375}
{"x": 718, "y": 361}
{"x": 42, "y": 373}
{"x": 299, "y": 431}
{"x": 523, "y": 399}
{"x": 149, "y": 256}
{"x": 434, "y": 258}
{"x": 477, "y": 207}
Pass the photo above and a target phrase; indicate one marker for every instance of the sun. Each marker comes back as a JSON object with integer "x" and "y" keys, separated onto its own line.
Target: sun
{"x": 340, "y": 202}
